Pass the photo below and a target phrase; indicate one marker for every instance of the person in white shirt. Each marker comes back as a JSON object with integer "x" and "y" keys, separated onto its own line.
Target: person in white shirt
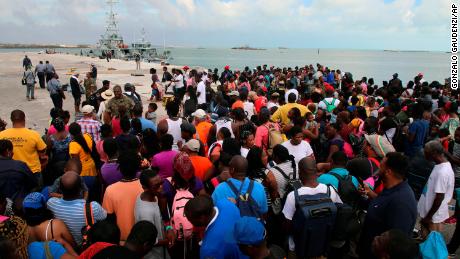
{"x": 307, "y": 174}
{"x": 298, "y": 147}
{"x": 273, "y": 102}
{"x": 248, "y": 106}
{"x": 200, "y": 90}
{"x": 179, "y": 87}
{"x": 293, "y": 90}
{"x": 328, "y": 101}
{"x": 437, "y": 193}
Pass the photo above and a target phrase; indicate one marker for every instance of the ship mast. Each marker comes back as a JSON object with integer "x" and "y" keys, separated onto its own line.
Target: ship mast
{"x": 112, "y": 25}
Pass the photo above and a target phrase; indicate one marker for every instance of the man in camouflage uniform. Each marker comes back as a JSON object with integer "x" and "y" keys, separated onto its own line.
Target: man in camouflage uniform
{"x": 114, "y": 105}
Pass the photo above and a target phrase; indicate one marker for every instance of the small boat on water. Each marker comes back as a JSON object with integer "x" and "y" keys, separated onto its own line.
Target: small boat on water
{"x": 246, "y": 47}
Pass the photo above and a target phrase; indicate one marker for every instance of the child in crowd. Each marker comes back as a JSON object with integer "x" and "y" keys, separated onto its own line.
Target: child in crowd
{"x": 151, "y": 114}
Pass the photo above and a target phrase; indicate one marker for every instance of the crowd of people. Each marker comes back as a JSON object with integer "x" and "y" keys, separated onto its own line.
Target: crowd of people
{"x": 303, "y": 162}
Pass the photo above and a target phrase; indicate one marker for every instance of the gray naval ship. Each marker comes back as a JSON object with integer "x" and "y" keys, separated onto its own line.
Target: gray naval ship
{"x": 111, "y": 43}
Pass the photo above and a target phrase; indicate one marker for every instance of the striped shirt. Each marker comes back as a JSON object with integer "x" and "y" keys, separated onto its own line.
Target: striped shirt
{"x": 286, "y": 167}
{"x": 90, "y": 126}
{"x": 73, "y": 214}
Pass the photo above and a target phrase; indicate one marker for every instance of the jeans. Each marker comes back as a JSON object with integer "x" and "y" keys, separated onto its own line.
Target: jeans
{"x": 57, "y": 100}
{"x": 30, "y": 91}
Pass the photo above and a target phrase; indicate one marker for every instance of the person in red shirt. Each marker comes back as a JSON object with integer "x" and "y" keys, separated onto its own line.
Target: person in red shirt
{"x": 259, "y": 99}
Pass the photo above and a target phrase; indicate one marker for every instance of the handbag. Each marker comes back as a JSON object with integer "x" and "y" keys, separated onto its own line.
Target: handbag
{"x": 434, "y": 246}
{"x": 23, "y": 80}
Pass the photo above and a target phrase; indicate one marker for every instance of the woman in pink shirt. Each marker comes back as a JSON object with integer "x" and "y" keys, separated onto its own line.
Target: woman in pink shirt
{"x": 164, "y": 160}
{"x": 261, "y": 138}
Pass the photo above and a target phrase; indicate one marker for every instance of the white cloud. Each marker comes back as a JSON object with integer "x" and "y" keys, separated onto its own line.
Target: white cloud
{"x": 320, "y": 23}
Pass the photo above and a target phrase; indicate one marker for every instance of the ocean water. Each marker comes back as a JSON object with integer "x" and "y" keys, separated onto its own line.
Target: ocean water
{"x": 378, "y": 64}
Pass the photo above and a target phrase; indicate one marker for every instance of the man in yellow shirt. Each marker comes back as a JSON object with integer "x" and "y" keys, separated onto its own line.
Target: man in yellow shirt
{"x": 28, "y": 146}
{"x": 281, "y": 115}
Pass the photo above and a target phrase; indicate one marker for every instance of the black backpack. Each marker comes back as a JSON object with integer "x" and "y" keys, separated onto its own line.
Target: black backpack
{"x": 346, "y": 189}
{"x": 349, "y": 218}
{"x": 398, "y": 138}
{"x": 313, "y": 223}
{"x": 245, "y": 203}
{"x": 291, "y": 184}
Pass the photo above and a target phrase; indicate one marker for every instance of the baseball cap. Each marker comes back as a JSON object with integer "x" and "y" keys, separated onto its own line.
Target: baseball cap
{"x": 185, "y": 68}
{"x": 188, "y": 127}
{"x": 34, "y": 200}
{"x": 249, "y": 231}
{"x": 193, "y": 145}
{"x": 199, "y": 113}
{"x": 87, "y": 109}
{"x": 379, "y": 144}
{"x": 227, "y": 67}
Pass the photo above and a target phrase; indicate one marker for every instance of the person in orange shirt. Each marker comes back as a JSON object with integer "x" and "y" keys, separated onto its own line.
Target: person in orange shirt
{"x": 120, "y": 198}
{"x": 238, "y": 103}
{"x": 202, "y": 126}
{"x": 202, "y": 165}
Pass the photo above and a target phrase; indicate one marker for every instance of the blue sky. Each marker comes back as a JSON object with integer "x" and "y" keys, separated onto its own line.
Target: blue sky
{"x": 343, "y": 24}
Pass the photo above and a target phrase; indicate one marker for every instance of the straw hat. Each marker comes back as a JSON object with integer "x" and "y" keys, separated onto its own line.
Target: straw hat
{"x": 107, "y": 94}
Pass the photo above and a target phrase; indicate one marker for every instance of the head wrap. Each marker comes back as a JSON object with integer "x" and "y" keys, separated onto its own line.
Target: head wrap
{"x": 183, "y": 165}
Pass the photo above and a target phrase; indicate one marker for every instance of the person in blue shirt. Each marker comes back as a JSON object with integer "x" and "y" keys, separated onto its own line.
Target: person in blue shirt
{"x": 238, "y": 168}
{"x": 339, "y": 162}
{"x": 417, "y": 132}
{"x": 354, "y": 101}
{"x": 146, "y": 124}
{"x": 394, "y": 208}
{"x": 39, "y": 250}
{"x": 219, "y": 220}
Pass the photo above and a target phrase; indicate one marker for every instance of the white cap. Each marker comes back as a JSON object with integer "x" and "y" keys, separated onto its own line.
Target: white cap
{"x": 199, "y": 113}
{"x": 87, "y": 109}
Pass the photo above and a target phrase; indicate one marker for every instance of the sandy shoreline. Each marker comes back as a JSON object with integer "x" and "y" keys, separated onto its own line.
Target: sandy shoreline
{"x": 13, "y": 94}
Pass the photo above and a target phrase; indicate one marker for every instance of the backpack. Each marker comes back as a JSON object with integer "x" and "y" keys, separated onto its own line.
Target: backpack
{"x": 291, "y": 184}
{"x": 398, "y": 138}
{"x": 313, "y": 223}
{"x": 179, "y": 222}
{"x": 245, "y": 203}
{"x": 346, "y": 189}
{"x": 356, "y": 143}
{"x": 89, "y": 219}
{"x": 329, "y": 106}
{"x": 348, "y": 150}
{"x": 274, "y": 138}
